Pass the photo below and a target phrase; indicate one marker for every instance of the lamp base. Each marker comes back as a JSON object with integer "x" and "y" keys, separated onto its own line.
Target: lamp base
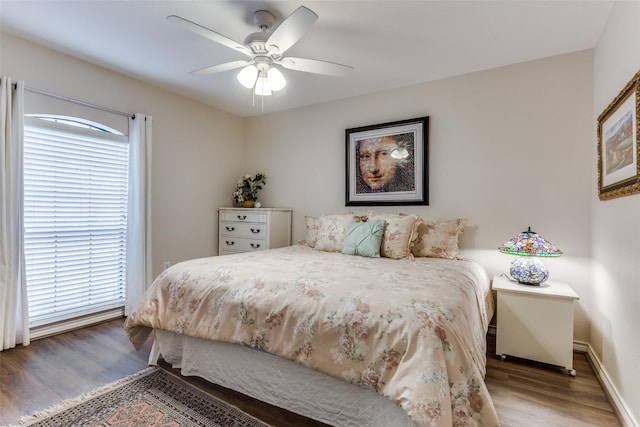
{"x": 529, "y": 270}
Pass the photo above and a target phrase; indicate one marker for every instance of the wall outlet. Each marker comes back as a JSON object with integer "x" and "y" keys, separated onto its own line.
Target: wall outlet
{"x": 166, "y": 265}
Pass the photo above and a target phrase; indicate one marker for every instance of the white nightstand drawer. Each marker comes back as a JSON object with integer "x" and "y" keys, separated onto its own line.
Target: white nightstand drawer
{"x": 240, "y": 229}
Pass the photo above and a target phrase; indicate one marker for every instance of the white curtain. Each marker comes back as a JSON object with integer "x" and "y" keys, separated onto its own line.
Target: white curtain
{"x": 139, "y": 216}
{"x": 14, "y": 310}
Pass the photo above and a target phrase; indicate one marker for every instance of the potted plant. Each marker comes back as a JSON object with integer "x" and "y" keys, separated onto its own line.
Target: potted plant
{"x": 247, "y": 188}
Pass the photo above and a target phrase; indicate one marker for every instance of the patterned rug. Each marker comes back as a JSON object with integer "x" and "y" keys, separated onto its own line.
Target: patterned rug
{"x": 150, "y": 398}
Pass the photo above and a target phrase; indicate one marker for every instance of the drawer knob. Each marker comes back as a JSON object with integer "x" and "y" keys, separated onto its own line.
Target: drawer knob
{"x": 255, "y": 245}
{"x": 241, "y": 217}
{"x": 230, "y": 228}
{"x": 255, "y": 230}
{"x": 230, "y": 243}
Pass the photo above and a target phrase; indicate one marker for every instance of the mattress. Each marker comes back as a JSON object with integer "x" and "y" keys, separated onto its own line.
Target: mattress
{"x": 410, "y": 331}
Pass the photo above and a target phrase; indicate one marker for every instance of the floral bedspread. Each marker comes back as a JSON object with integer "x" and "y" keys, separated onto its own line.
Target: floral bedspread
{"x": 412, "y": 330}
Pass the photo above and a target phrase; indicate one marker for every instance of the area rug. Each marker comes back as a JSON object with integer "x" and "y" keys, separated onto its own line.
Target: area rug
{"x": 150, "y": 398}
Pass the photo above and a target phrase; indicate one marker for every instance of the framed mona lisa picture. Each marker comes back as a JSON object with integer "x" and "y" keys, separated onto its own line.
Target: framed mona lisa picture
{"x": 386, "y": 164}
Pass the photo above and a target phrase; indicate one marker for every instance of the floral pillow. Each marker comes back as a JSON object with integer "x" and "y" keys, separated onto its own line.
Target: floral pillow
{"x": 438, "y": 239}
{"x": 364, "y": 238}
{"x": 332, "y": 230}
{"x": 313, "y": 225}
{"x": 399, "y": 234}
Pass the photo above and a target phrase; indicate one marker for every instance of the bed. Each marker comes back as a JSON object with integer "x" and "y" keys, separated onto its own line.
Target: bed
{"x": 344, "y": 339}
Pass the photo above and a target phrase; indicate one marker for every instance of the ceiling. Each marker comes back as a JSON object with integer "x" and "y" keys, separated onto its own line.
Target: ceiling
{"x": 390, "y": 43}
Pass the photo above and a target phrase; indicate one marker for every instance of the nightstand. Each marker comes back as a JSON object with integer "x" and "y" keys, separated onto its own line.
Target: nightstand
{"x": 535, "y": 322}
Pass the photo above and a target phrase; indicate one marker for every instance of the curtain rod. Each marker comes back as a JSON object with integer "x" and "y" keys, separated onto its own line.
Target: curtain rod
{"x": 76, "y": 101}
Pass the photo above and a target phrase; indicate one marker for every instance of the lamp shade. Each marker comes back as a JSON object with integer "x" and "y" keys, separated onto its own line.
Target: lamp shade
{"x": 262, "y": 85}
{"x": 247, "y": 76}
{"x": 276, "y": 79}
{"x": 263, "y": 78}
{"x": 529, "y": 245}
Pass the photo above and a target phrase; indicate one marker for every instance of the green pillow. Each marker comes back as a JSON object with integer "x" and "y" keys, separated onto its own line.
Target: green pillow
{"x": 364, "y": 238}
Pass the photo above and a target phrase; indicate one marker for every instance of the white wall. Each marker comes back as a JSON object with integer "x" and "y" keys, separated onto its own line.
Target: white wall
{"x": 197, "y": 150}
{"x": 509, "y": 148}
{"x": 616, "y": 224}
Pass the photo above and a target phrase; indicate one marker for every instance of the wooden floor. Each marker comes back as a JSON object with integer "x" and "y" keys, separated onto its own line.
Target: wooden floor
{"x": 526, "y": 393}
{"x": 61, "y": 367}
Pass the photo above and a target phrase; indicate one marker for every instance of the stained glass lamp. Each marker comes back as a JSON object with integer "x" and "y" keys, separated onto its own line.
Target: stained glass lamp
{"x": 526, "y": 267}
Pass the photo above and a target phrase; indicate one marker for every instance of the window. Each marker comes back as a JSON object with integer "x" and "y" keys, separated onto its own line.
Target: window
{"x": 75, "y": 217}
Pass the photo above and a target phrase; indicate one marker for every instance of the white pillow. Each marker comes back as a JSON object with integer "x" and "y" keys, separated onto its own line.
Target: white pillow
{"x": 332, "y": 230}
{"x": 438, "y": 239}
{"x": 313, "y": 224}
{"x": 399, "y": 234}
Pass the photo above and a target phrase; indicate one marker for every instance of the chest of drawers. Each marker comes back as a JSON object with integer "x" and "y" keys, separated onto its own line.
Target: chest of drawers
{"x": 253, "y": 229}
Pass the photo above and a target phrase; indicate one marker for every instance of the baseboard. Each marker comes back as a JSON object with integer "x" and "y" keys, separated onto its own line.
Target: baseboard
{"x": 622, "y": 410}
{"x": 580, "y": 346}
{"x": 76, "y": 323}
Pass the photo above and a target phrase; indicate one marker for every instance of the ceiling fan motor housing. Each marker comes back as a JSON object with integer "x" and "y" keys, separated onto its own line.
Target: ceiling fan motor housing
{"x": 263, "y": 63}
{"x": 257, "y": 41}
{"x": 263, "y": 19}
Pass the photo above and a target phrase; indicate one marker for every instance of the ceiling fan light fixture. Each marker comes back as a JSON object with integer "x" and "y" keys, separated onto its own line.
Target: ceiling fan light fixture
{"x": 276, "y": 79}
{"x": 247, "y": 76}
{"x": 262, "y": 87}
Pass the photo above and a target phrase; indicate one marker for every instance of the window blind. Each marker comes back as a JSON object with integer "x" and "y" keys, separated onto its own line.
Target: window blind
{"x": 75, "y": 219}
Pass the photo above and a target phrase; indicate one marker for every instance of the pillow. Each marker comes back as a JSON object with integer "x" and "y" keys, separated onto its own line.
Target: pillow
{"x": 364, "y": 238}
{"x": 438, "y": 239}
{"x": 312, "y": 225}
{"x": 332, "y": 230}
{"x": 399, "y": 234}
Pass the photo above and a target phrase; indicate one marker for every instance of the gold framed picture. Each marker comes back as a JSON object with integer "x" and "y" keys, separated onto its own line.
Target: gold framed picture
{"x": 618, "y": 144}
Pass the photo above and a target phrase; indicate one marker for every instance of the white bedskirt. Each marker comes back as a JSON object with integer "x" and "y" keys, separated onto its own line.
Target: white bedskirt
{"x": 278, "y": 381}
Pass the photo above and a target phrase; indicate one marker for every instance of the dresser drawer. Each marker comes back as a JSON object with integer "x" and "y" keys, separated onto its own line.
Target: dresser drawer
{"x": 241, "y": 229}
{"x": 226, "y": 252}
{"x": 243, "y": 216}
{"x": 242, "y": 245}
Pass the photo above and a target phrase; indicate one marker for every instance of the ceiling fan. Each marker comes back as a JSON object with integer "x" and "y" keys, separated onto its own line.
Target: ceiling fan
{"x": 264, "y": 50}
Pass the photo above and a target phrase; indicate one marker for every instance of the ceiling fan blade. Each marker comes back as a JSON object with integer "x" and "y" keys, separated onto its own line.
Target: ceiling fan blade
{"x": 210, "y": 34}
{"x": 314, "y": 66}
{"x": 222, "y": 67}
{"x": 291, "y": 30}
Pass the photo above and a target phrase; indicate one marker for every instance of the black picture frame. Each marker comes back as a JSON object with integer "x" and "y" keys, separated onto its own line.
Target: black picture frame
{"x": 387, "y": 164}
